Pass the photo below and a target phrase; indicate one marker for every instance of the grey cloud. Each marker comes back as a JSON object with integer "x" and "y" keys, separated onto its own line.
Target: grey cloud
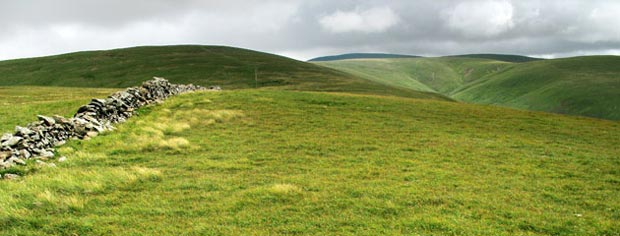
{"x": 295, "y": 28}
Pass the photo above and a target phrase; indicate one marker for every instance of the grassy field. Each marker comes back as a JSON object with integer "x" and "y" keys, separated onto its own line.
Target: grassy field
{"x": 264, "y": 162}
{"x": 231, "y": 68}
{"x": 586, "y": 86}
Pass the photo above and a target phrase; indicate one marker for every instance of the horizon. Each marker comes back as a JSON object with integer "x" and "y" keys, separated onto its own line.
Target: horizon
{"x": 547, "y": 57}
{"x": 303, "y": 29}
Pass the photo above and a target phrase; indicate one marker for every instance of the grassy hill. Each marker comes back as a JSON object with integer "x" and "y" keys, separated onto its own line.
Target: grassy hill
{"x": 231, "y": 68}
{"x": 587, "y": 86}
{"x": 268, "y": 162}
{"x": 500, "y": 57}
{"x": 442, "y": 75}
{"x": 361, "y": 56}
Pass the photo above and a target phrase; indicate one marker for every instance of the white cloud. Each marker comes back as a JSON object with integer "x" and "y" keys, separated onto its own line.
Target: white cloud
{"x": 373, "y": 20}
{"x": 308, "y": 28}
{"x": 480, "y": 18}
{"x": 603, "y": 23}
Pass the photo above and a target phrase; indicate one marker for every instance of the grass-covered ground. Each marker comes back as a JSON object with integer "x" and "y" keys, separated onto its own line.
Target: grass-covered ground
{"x": 254, "y": 162}
{"x": 586, "y": 86}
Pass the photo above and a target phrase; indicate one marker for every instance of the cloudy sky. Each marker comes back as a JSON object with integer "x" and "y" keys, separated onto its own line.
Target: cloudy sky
{"x": 303, "y": 29}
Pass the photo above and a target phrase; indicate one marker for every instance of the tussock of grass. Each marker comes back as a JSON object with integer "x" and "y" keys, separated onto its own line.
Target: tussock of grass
{"x": 208, "y": 117}
{"x": 175, "y": 143}
{"x": 284, "y": 189}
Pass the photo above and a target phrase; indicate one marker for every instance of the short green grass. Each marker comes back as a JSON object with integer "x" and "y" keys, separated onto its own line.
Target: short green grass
{"x": 261, "y": 162}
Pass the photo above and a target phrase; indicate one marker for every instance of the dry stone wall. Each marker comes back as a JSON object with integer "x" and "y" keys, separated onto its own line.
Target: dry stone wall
{"x": 38, "y": 139}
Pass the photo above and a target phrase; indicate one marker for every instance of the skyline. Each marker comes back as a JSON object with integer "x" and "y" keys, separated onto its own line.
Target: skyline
{"x": 306, "y": 29}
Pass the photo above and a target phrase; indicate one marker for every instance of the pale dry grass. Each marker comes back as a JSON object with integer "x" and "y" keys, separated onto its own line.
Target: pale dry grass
{"x": 285, "y": 189}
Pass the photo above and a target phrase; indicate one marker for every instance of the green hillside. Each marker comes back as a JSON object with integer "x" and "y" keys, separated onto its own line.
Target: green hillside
{"x": 267, "y": 162}
{"x": 442, "y": 75}
{"x": 587, "y": 86}
{"x": 231, "y": 68}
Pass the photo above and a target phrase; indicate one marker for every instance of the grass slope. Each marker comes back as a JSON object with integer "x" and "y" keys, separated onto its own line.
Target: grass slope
{"x": 232, "y": 68}
{"x": 587, "y": 86}
{"x": 361, "y": 56}
{"x": 442, "y": 75}
{"x": 254, "y": 162}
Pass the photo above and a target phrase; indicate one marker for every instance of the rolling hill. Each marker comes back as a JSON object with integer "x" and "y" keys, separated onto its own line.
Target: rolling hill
{"x": 361, "y": 56}
{"x": 274, "y": 160}
{"x": 587, "y": 86}
{"x": 500, "y": 57}
{"x": 231, "y": 68}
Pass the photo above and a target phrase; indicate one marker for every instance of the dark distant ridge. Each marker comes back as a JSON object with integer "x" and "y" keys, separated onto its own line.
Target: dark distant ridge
{"x": 500, "y": 57}
{"x": 361, "y": 56}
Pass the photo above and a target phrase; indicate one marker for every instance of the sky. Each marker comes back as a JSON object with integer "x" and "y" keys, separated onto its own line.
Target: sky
{"x": 304, "y": 29}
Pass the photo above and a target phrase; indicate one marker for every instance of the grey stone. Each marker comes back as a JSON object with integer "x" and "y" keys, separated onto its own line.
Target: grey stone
{"x": 23, "y": 131}
{"x": 16, "y": 160}
{"x": 62, "y": 159}
{"x": 47, "y": 120}
{"x": 24, "y": 153}
{"x": 5, "y": 137}
{"x": 46, "y": 154}
{"x": 12, "y": 141}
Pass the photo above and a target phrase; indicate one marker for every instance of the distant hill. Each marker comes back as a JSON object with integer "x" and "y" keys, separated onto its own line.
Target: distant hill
{"x": 361, "y": 56}
{"x": 231, "y": 68}
{"x": 500, "y": 57}
{"x": 587, "y": 86}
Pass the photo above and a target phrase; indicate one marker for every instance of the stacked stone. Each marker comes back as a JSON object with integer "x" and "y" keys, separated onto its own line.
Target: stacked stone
{"x": 38, "y": 139}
